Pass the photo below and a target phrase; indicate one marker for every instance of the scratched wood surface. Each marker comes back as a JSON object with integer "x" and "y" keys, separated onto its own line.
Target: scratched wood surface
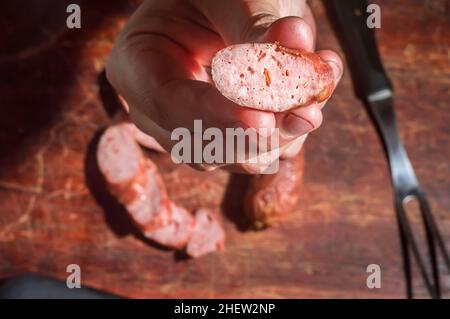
{"x": 54, "y": 212}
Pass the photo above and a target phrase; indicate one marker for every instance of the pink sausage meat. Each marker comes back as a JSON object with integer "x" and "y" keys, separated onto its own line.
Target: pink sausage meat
{"x": 138, "y": 186}
{"x": 208, "y": 234}
{"x": 132, "y": 178}
{"x": 177, "y": 232}
{"x": 118, "y": 156}
{"x": 150, "y": 209}
{"x": 269, "y": 77}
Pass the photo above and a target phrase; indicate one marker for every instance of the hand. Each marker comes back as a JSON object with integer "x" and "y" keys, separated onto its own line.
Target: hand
{"x": 160, "y": 63}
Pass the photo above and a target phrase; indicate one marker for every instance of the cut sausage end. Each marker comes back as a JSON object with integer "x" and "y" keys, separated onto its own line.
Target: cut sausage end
{"x": 134, "y": 180}
{"x": 118, "y": 156}
{"x": 270, "y": 198}
{"x": 177, "y": 232}
{"x": 208, "y": 235}
{"x": 139, "y": 187}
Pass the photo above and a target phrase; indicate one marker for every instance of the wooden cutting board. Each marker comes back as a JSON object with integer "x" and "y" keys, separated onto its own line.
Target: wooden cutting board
{"x": 53, "y": 211}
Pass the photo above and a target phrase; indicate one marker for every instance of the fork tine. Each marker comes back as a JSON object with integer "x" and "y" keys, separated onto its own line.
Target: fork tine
{"x": 406, "y": 259}
{"x": 426, "y": 217}
{"x": 429, "y": 219}
{"x": 407, "y": 232}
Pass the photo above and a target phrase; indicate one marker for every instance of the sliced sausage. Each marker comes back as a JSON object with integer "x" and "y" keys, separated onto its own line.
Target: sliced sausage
{"x": 271, "y": 197}
{"x": 138, "y": 186}
{"x": 119, "y": 157}
{"x": 270, "y": 77}
{"x": 208, "y": 235}
{"x": 177, "y": 232}
{"x": 151, "y": 208}
{"x": 132, "y": 178}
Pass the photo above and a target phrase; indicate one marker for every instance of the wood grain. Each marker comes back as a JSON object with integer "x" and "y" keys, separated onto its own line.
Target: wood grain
{"x": 54, "y": 212}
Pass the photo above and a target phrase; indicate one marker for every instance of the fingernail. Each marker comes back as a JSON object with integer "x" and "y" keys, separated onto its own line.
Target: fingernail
{"x": 336, "y": 69}
{"x": 295, "y": 125}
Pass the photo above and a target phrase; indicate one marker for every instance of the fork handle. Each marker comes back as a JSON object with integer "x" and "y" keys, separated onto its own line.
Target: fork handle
{"x": 372, "y": 84}
{"x": 350, "y": 18}
{"x": 373, "y": 87}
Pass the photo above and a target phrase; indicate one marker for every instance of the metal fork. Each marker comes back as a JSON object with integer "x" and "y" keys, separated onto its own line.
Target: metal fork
{"x": 373, "y": 87}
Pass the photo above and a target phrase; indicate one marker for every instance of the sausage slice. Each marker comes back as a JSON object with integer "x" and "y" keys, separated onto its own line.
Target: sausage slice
{"x": 132, "y": 178}
{"x": 269, "y": 77}
{"x": 177, "y": 232}
{"x": 138, "y": 186}
{"x": 208, "y": 235}
{"x": 272, "y": 197}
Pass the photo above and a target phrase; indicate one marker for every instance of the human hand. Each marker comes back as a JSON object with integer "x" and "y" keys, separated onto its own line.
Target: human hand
{"x": 160, "y": 66}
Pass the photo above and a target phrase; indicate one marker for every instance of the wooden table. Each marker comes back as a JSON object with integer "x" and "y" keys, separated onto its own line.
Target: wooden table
{"x": 53, "y": 212}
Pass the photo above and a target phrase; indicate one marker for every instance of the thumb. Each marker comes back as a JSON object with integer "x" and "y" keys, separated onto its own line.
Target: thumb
{"x": 242, "y": 21}
{"x": 291, "y": 32}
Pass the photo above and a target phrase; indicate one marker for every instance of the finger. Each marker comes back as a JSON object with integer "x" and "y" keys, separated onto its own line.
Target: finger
{"x": 294, "y": 32}
{"x": 335, "y": 61}
{"x": 252, "y": 168}
{"x": 299, "y": 121}
{"x": 291, "y": 32}
{"x": 250, "y": 19}
{"x": 294, "y": 148}
{"x": 164, "y": 138}
{"x": 265, "y": 163}
{"x": 146, "y": 125}
{"x": 124, "y": 104}
{"x": 305, "y": 119}
{"x": 309, "y": 18}
{"x": 159, "y": 78}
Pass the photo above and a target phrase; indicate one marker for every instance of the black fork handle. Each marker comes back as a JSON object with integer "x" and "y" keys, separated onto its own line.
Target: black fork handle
{"x": 373, "y": 87}
{"x": 368, "y": 73}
